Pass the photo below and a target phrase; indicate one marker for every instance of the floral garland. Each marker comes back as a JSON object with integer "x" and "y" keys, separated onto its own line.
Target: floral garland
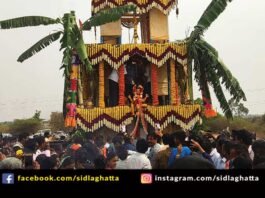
{"x": 112, "y": 118}
{"x": 154, "y": 81}
{"x": 155, "y": 53}
{"x": 183, "y": 115}
{"x": 173, "y": 83}
{"x": 121, "y": 85}
{"x": 71, "y": 98}
{"x": 143, "y": 6}
{"x": 101, "y": 85}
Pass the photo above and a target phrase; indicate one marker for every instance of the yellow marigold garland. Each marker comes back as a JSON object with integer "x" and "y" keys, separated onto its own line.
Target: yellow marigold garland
{"x": 101, "y": 85}
{"x": 154, "y": 82}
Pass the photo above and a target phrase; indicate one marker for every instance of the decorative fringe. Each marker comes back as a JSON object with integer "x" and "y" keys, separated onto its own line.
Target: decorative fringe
{"x": 121, "y": 85}
{"x": 143, "y": 6}
{"x": 186, "y": 116}
{"x": 154, "y": 82}
{"x": 101, "y": 97}
{"x": 156, "y": 53}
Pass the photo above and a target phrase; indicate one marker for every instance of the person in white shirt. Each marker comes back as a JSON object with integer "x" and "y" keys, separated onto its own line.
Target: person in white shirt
{"x": 139, "y": 160}
{"x": 123, "y": 158}
{"x": 43, "y": 148}
{"x": 154, "y": 147}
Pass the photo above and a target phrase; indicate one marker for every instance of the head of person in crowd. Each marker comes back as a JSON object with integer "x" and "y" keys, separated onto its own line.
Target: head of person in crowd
{"x": 100, "y": 162}
{"x": 68, "y": 162}
{"x": 111, "y": 161}
{"x": 22, "y": 138}
{"x": 99, "y": 141}
{"x": 17, "y": 146}
{"x": 225, "y": 134}
{"x": 11, "y": 163}
{"x": 194, "y": 137}
{"x": 82, "y": 161}
{"x": 211, "y": 138}
{"x": 141, "y": 146}
{"x": 236, "y": 150}
{"x": 191, "y": 162}
{"x": 30, "y": 146}
{"x": 90, "y": 137}
{"x": 219, "y": 145}
{"x": 122, "y": 153}
{"x": 47, "y": 136}
{"x": 128, "y": 139}
{"x": 179, "y": 137}
{"x": 242, "y": 136}
{"x": 118, "y": 141}
{"x": 78, "y": 140}
{"x": 242, "y": 162}
{"x": 226, "y": 149}
{"x": 42, "y": 144}
{"x": 206, "y": 144}
{"x": 259, "y": 152}
{"x": 152, "y": 139}
{"x": 166, "y": 138}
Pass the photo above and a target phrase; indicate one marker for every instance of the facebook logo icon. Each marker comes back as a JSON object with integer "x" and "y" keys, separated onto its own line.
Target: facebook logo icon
{"x": 7, "y": 178}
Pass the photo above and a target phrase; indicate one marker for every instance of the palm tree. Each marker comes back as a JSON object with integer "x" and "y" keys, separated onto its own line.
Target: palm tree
{"x": 208, "y": 68}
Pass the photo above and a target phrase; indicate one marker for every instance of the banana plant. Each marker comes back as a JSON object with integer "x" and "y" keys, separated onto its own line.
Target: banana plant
{"x": 71, "y": 34}
{"x": 207, "y": 65}
{"x": 71, "y": 39}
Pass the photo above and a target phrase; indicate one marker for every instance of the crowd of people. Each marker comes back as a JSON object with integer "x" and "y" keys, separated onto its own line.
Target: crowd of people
{"x": 178, "y": 150}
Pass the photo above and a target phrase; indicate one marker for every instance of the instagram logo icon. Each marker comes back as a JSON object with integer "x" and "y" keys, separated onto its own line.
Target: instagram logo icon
{"x": 146, "y": 178}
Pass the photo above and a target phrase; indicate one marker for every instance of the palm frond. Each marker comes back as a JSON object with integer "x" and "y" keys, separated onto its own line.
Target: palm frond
{"x": 215, "y": 8}
{"x": 107, "y": 16}
{"x": 213, "y": 79}
{"x": 46, "y": 41}
{"x": 82, "y": 54}
{"x": 27, "y": 21}
{"x": 211, "y": 60}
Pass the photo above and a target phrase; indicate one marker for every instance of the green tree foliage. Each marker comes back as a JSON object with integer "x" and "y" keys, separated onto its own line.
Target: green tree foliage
{"x": 4, "y": 128}
{"x": 37, "y": 115}
{"x": 238, "y": 108}
{"x": 57, "y": 121}
{"x": 30, "y": 125}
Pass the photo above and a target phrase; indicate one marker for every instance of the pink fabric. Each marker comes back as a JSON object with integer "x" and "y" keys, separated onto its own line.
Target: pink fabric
{"x": 71, "y": 109}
